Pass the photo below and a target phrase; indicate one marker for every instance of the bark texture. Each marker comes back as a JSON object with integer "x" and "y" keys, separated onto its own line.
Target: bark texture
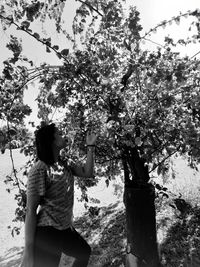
{"x": 139, "y": 197}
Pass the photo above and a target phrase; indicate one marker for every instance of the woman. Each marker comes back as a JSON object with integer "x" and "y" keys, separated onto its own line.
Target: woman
{"x": 50, "y": 231}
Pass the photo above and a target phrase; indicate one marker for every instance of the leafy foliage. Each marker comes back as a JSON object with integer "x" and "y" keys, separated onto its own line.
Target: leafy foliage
{"x": 183, "y": 237}
{"x": 143, "y": 104}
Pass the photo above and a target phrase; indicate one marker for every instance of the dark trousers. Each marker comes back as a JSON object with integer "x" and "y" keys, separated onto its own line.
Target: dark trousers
{"x": 50, "y": 243}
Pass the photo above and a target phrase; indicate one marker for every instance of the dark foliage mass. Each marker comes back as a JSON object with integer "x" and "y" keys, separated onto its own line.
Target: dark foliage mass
{"x": 181, "y": 246}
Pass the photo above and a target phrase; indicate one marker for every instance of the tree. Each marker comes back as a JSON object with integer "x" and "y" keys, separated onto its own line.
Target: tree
{"x": 145, "y": 105}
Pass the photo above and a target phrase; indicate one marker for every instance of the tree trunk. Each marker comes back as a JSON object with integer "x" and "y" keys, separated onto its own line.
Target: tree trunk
{"x": 139, "y": 196}
{"x": 141, "y": 225}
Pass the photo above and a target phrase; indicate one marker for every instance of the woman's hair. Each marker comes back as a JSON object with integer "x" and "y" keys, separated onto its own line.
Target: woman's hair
{"x": 44, "y": 138}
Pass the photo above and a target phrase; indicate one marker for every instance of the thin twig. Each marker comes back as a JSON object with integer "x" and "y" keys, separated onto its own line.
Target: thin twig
{"x": 154, "y": 42}
{"x": 12, "y": 160}
{"x": 32, "y": 35}
{"x": 195, "y": 55}
{"x": 91, "y": 7}
{"x": 165, "y": 159}
{"x": 164, "y": 23}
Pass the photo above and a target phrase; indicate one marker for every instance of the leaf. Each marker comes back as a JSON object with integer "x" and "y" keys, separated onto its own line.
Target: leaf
{"x": 7, "y": 74}
{"x": 65, "y": 52}
{"x": 159, "y": 169}
{"x": 158, "y": 187}
{"x": 107, "y": 182}
{"x": 58, "y": 54}
{"x": 25, "y": 24}
{"x": 163, "y": 25}
{"x": 32, "y": 10}
{"x": 12, "y": 131}
{"x": 48, "y": 50}
{"x": 36, "y": 35}
{"x": 2, "y": 137}
{"x": 56, "y": 47}
{"x": 3, "y": 150}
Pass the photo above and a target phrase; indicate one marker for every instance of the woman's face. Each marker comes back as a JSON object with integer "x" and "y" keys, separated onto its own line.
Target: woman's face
{"x": 59, "y": 141}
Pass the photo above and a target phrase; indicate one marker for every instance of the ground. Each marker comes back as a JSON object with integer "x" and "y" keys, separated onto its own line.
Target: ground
{"x": 178, "y": 236}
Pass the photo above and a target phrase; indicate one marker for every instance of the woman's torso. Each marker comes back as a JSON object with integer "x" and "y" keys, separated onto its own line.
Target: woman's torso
{"x": 56, "y": 189}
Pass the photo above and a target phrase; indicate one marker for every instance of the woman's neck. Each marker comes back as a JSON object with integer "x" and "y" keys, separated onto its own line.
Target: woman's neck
{"x": 56, "y": 153}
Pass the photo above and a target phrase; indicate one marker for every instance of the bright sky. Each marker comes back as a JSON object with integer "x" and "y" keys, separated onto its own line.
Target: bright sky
{"x": 155, "y": 11}
{"x": 152, "y": 13}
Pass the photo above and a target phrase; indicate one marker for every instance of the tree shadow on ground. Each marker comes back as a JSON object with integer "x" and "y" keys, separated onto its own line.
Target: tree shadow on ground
{"x": 106, "y": 234}
{"x": 181, "y": 245}
{"x": 12, "y": 258}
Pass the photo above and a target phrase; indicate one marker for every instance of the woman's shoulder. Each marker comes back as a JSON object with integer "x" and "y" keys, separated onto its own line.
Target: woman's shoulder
{"x": 38, "y": 166}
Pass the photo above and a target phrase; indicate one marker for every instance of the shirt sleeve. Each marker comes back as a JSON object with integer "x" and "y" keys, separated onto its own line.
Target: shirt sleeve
{"x": 36, "y": 182}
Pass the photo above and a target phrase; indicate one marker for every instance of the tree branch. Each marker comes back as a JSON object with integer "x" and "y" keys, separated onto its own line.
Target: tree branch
{"x": 12, "y": 160}
{"x": 91, "y": 7}
{"x": 32, "y": 34}
{"x": 146, "y": 39}
{"x": 195, "y": 55}
{"x": 165, "y": 159}
{"x": 46, "y": 44}
{"x": 164, "y": 23}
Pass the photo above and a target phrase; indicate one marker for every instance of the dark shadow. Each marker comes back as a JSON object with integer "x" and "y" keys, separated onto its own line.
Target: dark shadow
{"x": 106, "y": 233}
{"x": 181, "y": 246}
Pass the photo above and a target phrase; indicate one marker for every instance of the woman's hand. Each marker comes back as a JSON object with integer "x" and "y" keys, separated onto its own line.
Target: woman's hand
{"x": 91, "y": 139}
